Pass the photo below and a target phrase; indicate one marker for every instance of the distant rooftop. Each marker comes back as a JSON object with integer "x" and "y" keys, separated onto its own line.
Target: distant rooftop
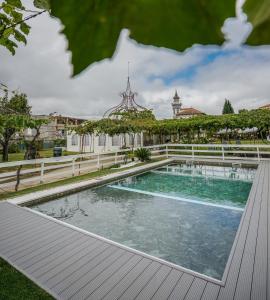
{"x": 267, "y": 106}
{"x": 189, "y": 111}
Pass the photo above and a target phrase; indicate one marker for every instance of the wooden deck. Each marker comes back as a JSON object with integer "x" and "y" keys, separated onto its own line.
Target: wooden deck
{"x": 72, "y": 264}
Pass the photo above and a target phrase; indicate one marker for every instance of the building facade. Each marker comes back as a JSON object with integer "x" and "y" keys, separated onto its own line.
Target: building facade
{"x": 56, "y": 128}
{"x": 180, "y": 112}
{"x": 102, "y": 142}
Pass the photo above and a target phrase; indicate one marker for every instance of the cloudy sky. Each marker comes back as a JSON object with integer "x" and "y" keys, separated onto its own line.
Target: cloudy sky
{"x": 203, "y": 75}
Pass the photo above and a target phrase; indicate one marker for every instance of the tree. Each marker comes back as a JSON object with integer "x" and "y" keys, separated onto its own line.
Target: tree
{"x": 13, "y": 26}
{"x": 243, "y": 110}
{"x": 227, "y": 108}
{"x": 184, "y": 129}
{"x": 15, "y": 116}
{"x": 13, "y": 110}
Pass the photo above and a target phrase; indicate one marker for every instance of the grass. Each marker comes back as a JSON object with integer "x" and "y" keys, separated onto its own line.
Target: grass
{"x": 14, "y": 285}
{"x": 43, "y": 154}
{"x": 79, "y": 178}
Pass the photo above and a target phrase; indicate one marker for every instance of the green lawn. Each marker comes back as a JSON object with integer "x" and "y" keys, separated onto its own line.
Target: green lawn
{"x": 14, "y": 285}
{"x": 43, "y": 154}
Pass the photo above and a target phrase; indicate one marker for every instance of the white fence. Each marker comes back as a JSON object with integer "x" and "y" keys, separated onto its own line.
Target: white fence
{"x": 78, "y": 164}
{"x": 219, "y": 151}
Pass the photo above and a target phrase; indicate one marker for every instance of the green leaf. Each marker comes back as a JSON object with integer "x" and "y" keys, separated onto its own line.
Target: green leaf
{"x": 10, "y": 45}
{"x": 17, "y": 16}
{"x": 15, "y": 3}
{"x": 7, "y": 9}
{"x": 93, "y": 27}
{"x": 19, "y": 36}
{"x": 25, "y": 28}
{"x": 258, "y": 12}
{"x": 42, "y": 4}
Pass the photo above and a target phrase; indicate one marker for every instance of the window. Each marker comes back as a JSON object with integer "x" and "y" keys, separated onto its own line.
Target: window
{"x": 102, "y": 140}
{"x": 138, "y": 139}
{"x": 131, "y": 139}
{"x": 86, "y": 140}
{"x": 115, "y": 140}
{"x": 74, "y": 140}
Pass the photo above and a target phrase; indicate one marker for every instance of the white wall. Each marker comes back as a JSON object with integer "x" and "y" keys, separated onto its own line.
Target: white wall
{"x": 92, "y": 143}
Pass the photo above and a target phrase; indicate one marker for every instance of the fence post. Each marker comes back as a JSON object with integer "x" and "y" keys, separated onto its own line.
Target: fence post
{"x": 167, "y": 151}
{"x": 258, "y": 154}
{"x": 41, "y": 172}
{"x": 73, "y": 166}
{"x": 115, "y": 158}
{"x": 192, "y": 149}
{"x": 223, "y": 156}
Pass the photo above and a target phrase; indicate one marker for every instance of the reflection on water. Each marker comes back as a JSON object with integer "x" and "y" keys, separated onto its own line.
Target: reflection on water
{"x": 66, "y": 211}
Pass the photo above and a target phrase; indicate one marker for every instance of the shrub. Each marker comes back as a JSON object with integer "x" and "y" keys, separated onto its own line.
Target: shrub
{"x": 143, "y": 154}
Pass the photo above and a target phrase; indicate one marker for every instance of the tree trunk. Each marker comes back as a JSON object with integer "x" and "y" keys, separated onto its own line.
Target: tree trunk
{"x": 18, "y": 178}
{"x": 5, "y": 152}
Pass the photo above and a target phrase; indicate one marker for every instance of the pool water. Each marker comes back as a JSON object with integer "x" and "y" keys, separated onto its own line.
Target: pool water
{"x": 194, "y": 236}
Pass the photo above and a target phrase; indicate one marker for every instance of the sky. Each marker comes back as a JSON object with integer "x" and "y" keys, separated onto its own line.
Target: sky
{"x": 203, "y": 75}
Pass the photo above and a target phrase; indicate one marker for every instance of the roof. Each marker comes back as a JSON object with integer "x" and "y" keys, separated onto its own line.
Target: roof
{"x": 176, "y": 95}
{"x": 267, "y": 106}
{"x": 189, "y": 111}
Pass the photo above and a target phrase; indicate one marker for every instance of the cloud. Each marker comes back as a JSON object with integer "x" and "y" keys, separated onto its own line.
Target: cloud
{"x": 204, "y": 75}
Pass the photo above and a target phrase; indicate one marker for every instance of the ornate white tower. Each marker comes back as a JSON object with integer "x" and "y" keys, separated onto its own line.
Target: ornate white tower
{"x": 176, "y": 104}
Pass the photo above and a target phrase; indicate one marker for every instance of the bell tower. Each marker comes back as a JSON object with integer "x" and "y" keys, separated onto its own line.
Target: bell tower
{"x": 176, "y": 104}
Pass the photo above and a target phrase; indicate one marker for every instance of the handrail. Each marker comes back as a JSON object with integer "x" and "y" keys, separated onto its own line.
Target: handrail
{"x": 220, "y": 145}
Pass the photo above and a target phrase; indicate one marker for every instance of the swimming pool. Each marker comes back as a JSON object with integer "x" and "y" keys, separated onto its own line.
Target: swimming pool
{"x": 187, "y": 215}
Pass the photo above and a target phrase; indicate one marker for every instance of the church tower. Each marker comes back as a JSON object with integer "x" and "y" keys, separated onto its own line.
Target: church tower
{"x": 176, "y": 104}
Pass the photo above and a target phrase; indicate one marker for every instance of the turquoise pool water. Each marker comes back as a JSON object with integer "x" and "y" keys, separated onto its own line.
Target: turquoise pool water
{"x": 163, "y": 215}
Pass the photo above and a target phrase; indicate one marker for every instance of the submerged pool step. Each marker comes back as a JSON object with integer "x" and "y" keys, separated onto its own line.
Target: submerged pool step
{"x": 200, "y": 175}
{"x": 124, "y": 188}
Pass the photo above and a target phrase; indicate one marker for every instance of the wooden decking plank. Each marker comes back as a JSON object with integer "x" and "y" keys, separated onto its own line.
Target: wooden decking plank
{"x": 168, "y": 285}
{"x": 62, "y": 272}
{"x": 34, "y": 265}
{"x": 62, "y": 257}
{"x": 77, "y": 285}
{"x": 134, "y": 289}
{"x": 8, "y": 233}
{"x": 109, "y": 284}
{"x": 85, "y": 265}
{"x": 259, "y": 278}
{"x": 14, "y": 213}
{"x": 196, "y": 289}
{"x": 210, "y": 292}
{"x": 244, "y": 281}
{"x": 37, "y": 244}
{"x": 94, "y": 283}
{"x": 125, "y": 283}
{"x": 182, "y": 287}
{"x": 52, "y": 250}
{"x": 20, "y": 239}
{"x": 150, "y": 289}
{"x": 227, "y": 292}
{"x": 9, "y": 221}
